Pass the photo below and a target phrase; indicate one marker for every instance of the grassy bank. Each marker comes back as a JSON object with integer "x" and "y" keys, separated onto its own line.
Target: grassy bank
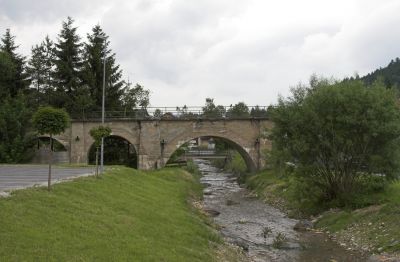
{"x": 126, "y": 215}
{"x": 373, "y": 228}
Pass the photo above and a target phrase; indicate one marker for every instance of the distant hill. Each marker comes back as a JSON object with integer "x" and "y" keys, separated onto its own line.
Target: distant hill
{"x": 390, "y": 74}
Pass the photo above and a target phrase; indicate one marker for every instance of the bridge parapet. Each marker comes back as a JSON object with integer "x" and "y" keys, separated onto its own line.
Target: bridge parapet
{"x": 179, "y": 113}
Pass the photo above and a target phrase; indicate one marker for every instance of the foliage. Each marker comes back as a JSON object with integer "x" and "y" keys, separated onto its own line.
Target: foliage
{"x": 390, "y": 75}
{"x": 7, "y": 73}
{"x": 40, "y": 70}
{"x": 97, "y": 133}
{"x": 49, "y": 120}
{"x": 146, "y": 213}
{"x": 68, "y": 64}
{"x": 18, "y": 75}
{"x": 238, "y": 110}
{"x": 133, "y": 98}
{"x": 258, "y": 112}
{"x": 337, "y": 133}
{"x": 211, "y": 110}
{"x": 279, "y": 240}
{"x": 15, "y": 140}
{"x": 94, "y": 52}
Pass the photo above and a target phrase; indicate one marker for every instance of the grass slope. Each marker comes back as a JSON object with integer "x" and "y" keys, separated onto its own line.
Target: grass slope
{"x": 375, "y": 228}
{"x": 127, "y": 215}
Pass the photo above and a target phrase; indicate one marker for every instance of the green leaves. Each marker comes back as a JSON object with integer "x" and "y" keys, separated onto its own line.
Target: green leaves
{"x": 49, "y": 120}
{"x": 98, "y": 133}
{"x": 339, "y": 131}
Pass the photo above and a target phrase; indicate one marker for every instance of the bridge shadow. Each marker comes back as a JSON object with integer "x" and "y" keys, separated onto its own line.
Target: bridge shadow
{"x": 117, "y": 151}
{"x": 219, "y": 150}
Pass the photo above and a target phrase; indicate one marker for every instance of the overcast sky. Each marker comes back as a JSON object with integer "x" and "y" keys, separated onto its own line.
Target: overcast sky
{"x": 229, "y": 50}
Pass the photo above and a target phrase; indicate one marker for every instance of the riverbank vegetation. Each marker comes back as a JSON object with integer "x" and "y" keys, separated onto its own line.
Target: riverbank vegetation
{"x": 125, "y": 215}
{"x": 336, "y": 153}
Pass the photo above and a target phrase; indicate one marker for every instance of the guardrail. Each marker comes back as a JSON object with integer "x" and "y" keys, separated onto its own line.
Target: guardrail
{"x": 193, "y": 112}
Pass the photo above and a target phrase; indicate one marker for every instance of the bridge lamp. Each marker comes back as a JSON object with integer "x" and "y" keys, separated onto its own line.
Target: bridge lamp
{"x": 103, "y": 103}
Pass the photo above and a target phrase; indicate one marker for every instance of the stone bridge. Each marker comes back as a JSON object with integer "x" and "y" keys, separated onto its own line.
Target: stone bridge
{"x": 156, "y": 140}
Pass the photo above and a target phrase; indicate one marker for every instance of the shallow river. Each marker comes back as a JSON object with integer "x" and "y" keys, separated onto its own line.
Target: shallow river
{"x": 255, "y": 226}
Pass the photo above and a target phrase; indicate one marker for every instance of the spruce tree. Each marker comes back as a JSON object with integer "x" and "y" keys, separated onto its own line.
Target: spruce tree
{"x": 68, "y": 64}
{"x": 40, "y": 69}
{"x": 92, "y": 73}
{"x": 18, "y": 81}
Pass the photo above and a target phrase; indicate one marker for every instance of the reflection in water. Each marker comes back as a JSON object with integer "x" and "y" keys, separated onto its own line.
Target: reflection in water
{"x": 256, "y": 226}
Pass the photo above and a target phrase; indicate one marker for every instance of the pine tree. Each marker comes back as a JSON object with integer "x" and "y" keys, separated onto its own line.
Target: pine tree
{"x": 40, "y": 69}
{"x": 68, "y": 64}
{"x": 92, "y": 73}
{"x": 18, "y": 81}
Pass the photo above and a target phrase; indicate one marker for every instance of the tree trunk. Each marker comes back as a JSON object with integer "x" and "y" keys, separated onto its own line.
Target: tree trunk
{"x": 50, "y": 162}
{"x": 97, "y": 161}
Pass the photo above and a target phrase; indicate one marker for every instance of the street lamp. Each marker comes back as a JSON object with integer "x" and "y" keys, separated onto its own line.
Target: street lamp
{"x": 103, "y": 103}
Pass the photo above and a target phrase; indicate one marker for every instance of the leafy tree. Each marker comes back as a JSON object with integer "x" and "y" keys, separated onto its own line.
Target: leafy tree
{"x": 15, "y": 140}
{"x": 92, "y": 71}
{"x": 157, "y": 113}
{"x": 99, "y": 133}
{"x": 50, "y": 121}
{"x": 238, "y": 110}
{"x": 136, "y": 97}
{"x": 258, "y": 112}
{"x": 18, "y": 81}
{"x": 211, "y": 110}
{"x": 337, "y": 134}
{"x": 68, "y": 65}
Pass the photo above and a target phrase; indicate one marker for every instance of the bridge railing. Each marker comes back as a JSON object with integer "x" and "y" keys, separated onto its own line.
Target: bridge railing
{"x": 179, "y": 113}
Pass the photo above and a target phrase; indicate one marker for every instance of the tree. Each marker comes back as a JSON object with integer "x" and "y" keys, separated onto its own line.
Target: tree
{"x": 338, "y": 134}
{"x": 92, "y": 71}
{"x": 136, "y": 97}
{"x": 50, "y": 121}
{"x": 7, "y": 75}
{"x": 15, "y": 140}
{"x": 211, "y": 110}
{"x": 68, "y": 65}
{"x": 40, "y": 70}
{"x": 99, "y": 133}
{"x": 258, "y": 112}
{"x": 238, "y": 110}
{"x": 18, "y": 81}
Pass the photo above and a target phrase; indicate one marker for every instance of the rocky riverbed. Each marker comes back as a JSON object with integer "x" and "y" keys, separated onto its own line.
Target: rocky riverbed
{"x": 262, "y": 231}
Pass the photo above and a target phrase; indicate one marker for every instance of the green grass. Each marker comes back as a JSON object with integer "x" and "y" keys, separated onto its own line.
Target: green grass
{"x": 126, "y": 215}
{"x": 375, "y": 225}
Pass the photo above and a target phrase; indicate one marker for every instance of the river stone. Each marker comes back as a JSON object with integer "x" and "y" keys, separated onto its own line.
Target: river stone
{"x": 212, "y": 212}
{"x": 303, "y": 225}
{"x": 230, "y": 202}
{"x": 241, "y": 243}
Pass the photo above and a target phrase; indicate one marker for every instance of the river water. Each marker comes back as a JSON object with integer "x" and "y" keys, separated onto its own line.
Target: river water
{"x": 257, "y": 227}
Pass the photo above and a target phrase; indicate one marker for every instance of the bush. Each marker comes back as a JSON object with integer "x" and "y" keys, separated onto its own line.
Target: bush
{"x": 336, "y": 134}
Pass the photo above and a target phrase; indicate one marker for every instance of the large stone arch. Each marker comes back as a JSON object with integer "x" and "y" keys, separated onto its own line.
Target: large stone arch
{"x": 238, "y": 145}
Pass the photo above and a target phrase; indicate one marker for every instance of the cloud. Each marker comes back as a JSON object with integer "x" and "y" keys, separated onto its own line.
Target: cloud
{"x": 231, "y": 50}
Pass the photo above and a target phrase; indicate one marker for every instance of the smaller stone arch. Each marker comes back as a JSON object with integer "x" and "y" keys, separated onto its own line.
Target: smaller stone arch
{"x": 250, "y": 163}
{"x": 61, "y": 150}
{"x": 131, "y": 151}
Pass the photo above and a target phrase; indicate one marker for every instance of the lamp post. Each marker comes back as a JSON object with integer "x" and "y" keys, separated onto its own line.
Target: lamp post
{"x": 103, "y": 104}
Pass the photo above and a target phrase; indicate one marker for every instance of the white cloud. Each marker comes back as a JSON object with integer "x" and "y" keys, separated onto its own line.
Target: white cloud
{"x": 233, "y": 51}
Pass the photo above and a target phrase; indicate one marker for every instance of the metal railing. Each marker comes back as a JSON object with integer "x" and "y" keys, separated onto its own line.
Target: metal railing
{"x": 178, "y": 113}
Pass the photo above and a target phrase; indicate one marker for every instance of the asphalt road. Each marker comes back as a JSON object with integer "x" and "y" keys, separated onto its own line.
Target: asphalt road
{"x": 22, "y": 176}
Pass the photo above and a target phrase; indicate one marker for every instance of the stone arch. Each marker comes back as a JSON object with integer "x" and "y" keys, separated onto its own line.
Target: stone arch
{"x": 40, "y": 155}
{"x": 120, "y": 137}
{"x": 244, "y": 149}
{"x": 65, "y": 144}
